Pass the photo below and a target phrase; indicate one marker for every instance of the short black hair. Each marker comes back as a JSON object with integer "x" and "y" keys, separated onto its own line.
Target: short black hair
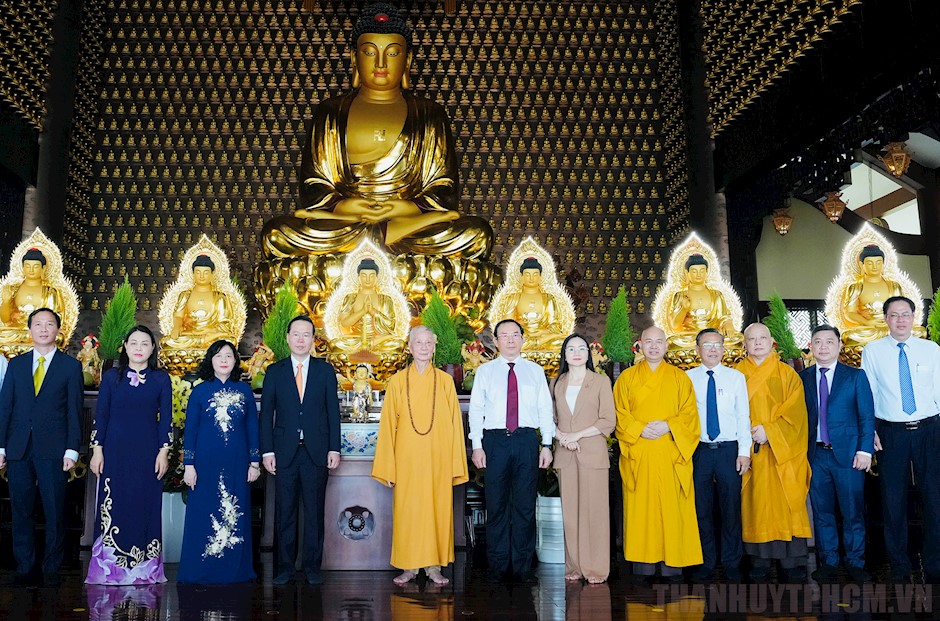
{"x": 825, "y": 327}
{"x": 563, "y": 367}
{"x": 124, "y": 360}
{"x": 496, "y": 328}
{"x": 301, "y": 318}
{"x": 29, "y": 320}
{"x": 703, "y": 332}
{"x": 34, "y": 254}
{"x": 695, "y": 259}
{"x": 206, "y": 373}
{"x": 897, "y": 298}
{"x": 204, "y": 260}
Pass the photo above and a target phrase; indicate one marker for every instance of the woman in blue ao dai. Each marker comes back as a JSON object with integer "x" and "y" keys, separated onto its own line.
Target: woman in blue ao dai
{"x": 220, "y": 456}
{"x": 130, "y": 444}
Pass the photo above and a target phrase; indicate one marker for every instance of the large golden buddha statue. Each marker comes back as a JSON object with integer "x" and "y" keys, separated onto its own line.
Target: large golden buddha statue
{"x": 35, "y": 281}
{"x": 693, "y": 298}
{"x": 379, "y": 162}
{"x": 869, "y": 276}
{"x": 533, "y": 296}
{"x": 201, "y": 307}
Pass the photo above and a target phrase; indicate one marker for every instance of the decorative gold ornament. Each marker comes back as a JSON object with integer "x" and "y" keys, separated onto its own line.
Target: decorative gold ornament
{"x": 693, "y": 298}
{"x": 535, "y": 299}
{"x": 896, "y": 159}
{"x": 202, "y": 306}
{"x": 34, "y": 285}
{"x": 833, "y": 206}
{"x": 782, "y": 221}
{"x": 856, "y": 296}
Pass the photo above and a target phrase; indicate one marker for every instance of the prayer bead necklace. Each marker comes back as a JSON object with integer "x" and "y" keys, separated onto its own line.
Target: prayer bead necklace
{"x": 433, "y": 402}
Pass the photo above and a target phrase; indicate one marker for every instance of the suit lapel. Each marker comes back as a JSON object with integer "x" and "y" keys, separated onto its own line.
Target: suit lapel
{"x": 584, "y": 384}
{"x": 309, "y": 384}
{"x": 813, "y": 391}
{"x": 561, "y": 401}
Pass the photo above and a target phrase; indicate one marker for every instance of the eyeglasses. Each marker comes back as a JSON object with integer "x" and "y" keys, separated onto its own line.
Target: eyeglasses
{"x": 507, "y": 336}
{"x": 899, "y": 315}
{"x": 712, "y": 345}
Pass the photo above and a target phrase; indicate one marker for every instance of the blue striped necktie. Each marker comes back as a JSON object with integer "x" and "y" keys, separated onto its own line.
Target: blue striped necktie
{"x": 711, "y": 408}
{"x": 908, "y": 404}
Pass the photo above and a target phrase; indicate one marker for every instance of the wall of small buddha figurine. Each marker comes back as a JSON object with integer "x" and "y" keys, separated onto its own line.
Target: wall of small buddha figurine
{"x": 25, "y": 43}
{"x": 567, "y": 117}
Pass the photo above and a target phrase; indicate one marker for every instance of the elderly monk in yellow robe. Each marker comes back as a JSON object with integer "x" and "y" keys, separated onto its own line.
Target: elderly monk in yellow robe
{"x": 421, "y": 452}
{"x": 658, "y": 429}
{"x": 774, "y": 518}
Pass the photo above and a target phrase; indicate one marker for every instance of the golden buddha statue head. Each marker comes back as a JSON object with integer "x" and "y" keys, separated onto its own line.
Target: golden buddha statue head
{"x": 35, "y": 280}
{"x": 869, "y": 275}
{"x": 201, "y": 307}
{"x": 693, "y": 298}
{"x": 532, "y": 296}
{"x": 381, "y": 55}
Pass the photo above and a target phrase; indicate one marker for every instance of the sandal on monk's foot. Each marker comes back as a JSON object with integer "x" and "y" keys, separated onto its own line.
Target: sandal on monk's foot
{"x": 406, "y": 576}
{"x": 435, "y": 576}
{"x": 573, "y": 577}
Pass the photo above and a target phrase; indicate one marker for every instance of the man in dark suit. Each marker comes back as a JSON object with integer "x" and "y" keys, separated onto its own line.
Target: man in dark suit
{"x": 40, "y": 432}
{"x": 841, "y": 443}
{"x": 300, "y": 443}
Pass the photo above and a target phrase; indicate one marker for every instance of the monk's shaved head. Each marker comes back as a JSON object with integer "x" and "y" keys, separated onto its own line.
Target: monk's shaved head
{"x": 757, "y": 342}
{"x": 652, "y": 332}
{"x": 653, "y": 345}
{"x": 756, "y": 329}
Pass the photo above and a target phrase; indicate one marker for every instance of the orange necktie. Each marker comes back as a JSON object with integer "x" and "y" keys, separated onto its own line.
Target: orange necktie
{"x": 299, "y": 378}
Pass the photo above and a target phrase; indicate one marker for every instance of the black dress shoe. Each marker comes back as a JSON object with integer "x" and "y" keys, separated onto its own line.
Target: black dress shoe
{"x": 23, "y": 580}
{"x": 826, "y": 574}
{"x": 51, "y": 580}
{"x": 495, "y": 577}
{"x": 703, "y": 575}
{"x": 285, "y": 577}
{"x": 899, "y": 577}
{"x": 734, "y": 575}
{"x": 859, "y": 575}
{"x": 795, "y": 575}
{"x": 528, "y": 579}
{"x": 760, "y": 576}
{"x": 313, "y": 578}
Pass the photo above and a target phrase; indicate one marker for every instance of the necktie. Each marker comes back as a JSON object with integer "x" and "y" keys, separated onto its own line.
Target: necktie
{"x": 40, "y": 374}
{"x": 299, "y": 378}
{"x": 711, "y": 408}
{"x": 512, "y": 400}
{"x": 908, "y": 404}
{"x": 824, "y": 407}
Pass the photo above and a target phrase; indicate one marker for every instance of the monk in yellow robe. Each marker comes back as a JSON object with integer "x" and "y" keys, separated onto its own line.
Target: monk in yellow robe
{"x": 421, "y": 452}
{"x": 774, "y": 518}
{"x": 658, "y": 429}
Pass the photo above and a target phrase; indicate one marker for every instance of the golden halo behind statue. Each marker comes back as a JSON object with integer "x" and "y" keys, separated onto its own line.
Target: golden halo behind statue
{"x": 866, "y": 237}
{"x": 53, "y": 274}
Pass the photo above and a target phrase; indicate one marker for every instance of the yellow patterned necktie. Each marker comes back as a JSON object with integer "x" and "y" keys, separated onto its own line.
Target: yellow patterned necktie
{"x": 40, "y": 373}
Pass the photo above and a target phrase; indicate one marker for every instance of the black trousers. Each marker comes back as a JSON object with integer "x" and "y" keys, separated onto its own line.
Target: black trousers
{"x": 903, "y": 449}
{"x": 512, "y": 467}
{"x": 714, "y": 468}
{"x": 300, "y": 479}
{"x": 26, "y": 476}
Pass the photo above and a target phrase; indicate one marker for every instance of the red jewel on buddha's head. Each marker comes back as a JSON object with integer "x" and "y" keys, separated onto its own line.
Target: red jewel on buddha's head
{"x": 381, "y": 17}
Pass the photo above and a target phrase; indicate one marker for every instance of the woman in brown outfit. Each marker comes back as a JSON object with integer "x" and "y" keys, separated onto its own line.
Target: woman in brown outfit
{"x": 584, "y": 417}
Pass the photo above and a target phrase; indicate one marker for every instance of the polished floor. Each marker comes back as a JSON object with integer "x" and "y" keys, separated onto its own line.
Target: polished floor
{"x": 368, "y": 596}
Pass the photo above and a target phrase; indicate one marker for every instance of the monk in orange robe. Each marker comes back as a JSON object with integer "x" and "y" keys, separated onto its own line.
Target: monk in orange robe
{"x": 658, "y": 429}
{"x": 421, "y": 452}
{"x": 774, "y": 518}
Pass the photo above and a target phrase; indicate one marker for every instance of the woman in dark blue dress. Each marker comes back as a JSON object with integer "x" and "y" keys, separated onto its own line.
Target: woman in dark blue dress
{"x": 130, "y": 454}
{"x": 220, "y": 455}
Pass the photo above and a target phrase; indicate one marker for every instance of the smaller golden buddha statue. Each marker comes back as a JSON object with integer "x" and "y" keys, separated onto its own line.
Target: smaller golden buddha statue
{"x": 367, "y": 313}
{"x": 202, "y": 314}
{"x": 201, "y": 307}
{"x": 361, "y": 393}
{"x": 696, "y": 306}
{"x": 35, "y": 281}
{"x": 533, "y": 297}
{"x": 258, "y": 364}
{"x": 693, "y": 298}
{"x": 91, "y": 362}
{"x": 855, "y": 300}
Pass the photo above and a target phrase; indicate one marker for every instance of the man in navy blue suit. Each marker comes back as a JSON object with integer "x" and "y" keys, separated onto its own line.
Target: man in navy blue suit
{"x": 40, "y": 432}
{"x": 841, "y": 443}
{"x": 300, "y": 444}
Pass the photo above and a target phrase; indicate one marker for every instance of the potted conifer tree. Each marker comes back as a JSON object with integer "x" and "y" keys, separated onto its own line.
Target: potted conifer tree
{"x": 778, "y": 322}
{"x": 447, "y": 356}
{"x": 618, "y": 335}
{"x": 119, "y": 316}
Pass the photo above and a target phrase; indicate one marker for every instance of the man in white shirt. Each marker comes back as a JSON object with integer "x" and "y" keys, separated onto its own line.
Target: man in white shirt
{"x": 510, "y": 406}
{"x": 723, "y": 454}
{"x": 904, "y": 373}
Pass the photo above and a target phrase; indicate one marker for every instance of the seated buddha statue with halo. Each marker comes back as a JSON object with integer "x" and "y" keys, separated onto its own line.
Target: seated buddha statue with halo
{"x": 379, "y": 162}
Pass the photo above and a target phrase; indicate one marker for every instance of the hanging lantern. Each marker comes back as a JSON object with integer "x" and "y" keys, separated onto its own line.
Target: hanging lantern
{"x": 833, "y": 206}
{"x": 782, "y": 221}
{"x": 896, "y": 159}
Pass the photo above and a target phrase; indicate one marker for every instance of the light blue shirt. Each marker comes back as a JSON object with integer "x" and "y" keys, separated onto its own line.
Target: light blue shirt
{"x": 880, "y": 362}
